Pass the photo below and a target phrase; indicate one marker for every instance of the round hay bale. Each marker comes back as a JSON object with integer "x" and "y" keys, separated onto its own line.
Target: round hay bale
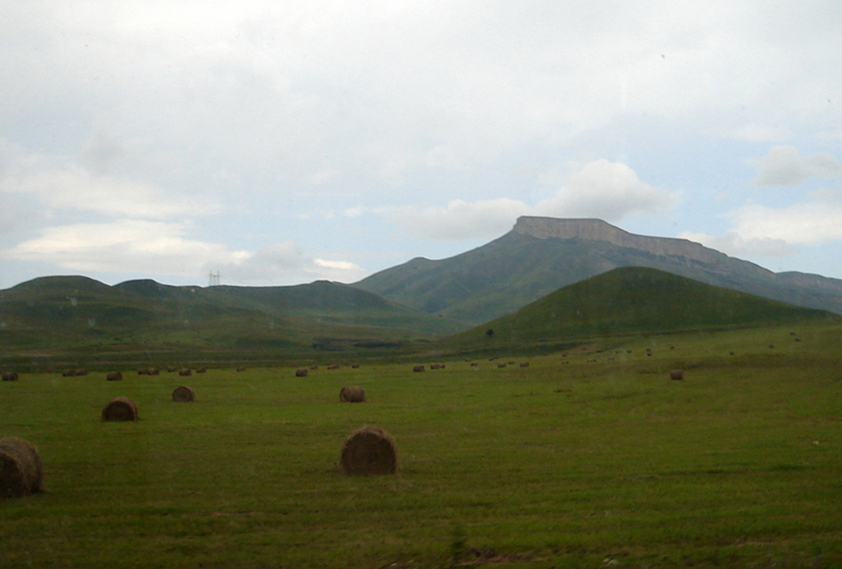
{"x": 183, "y": 394}
{"x": 21, "y": 471}
{"x": 185, "y": 372}
{"x": 301, "y": 372}
{"x": 120, "y": 409}
{"x": 68, "y": 373}
{"x": 241, "y": 368}
{"x": 353, "y": 394}
{"x": 114, "y": 376}
{"x": 152, "y": 371}
{"x": 677, "y": 374}
{"x": 82, "y": 371}
{"x": 418, "y": 368}
{"x": 142, "y": 371}
{"x": 10, "y": 376}
{"x": 524, "y": 364}
{"x": 170, "y": 369}
{"x": 368, "y": 451}
{"x": 201, "y": 370}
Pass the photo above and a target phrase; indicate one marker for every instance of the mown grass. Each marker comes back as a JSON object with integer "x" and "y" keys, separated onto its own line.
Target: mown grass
{"x": 579, "y": 464}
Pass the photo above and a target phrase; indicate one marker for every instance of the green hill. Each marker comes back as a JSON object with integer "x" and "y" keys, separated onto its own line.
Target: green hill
{"x": 81, "y": 313}
{"x": 633, "y": 300}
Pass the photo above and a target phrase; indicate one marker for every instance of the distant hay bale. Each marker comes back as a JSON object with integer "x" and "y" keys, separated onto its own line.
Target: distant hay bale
{"x": 368, "y": 451}
{"x": 436, "y": 366}
{"x": 68, "y": 373}
{"x": 21, "y": 471}
{"x": 730, "y": 353}
{"x": 185, "y": 372}
{"x": 418, "y": 368}
{"x": 114, "y": 376}
{"x": 81, "y": 371}
{"x": 170, "y": 369}
{"x": 120, "y": 409}
{"x": 301, "y": 372}
{"x": 501, "y": 365}
{"x": 677, "y": 374}
{"x": 201, "y": 370}
{"x": 355, "y": 366}
{"x": 152, "y": 371}
{"x": 333, "y": 366}
{"x": 353, "y": 394}
{"x": 524, "y": 364}
{"x": 314, "y": 367}
{"x": 474, "y": 364}
{"x": 241, "y": 368}
{"x": 142, "y": 371}
{"x": 183, "y": 394}
{"x": 10, "y": 376}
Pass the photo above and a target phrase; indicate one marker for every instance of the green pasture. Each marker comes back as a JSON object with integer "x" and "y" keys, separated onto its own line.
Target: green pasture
{"x": 565, "y": 463}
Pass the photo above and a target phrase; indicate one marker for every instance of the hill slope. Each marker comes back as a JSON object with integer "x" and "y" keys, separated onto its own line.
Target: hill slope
{"x": 78, "y": 311}
{"x": 541, "y": 255}
{"x": 634, "y": 300}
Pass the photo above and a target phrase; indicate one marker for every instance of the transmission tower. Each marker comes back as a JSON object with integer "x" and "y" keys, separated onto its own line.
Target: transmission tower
{"x": 213, "y": 279}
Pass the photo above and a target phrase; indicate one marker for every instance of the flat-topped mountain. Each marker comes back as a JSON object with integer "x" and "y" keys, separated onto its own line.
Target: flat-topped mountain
{"x": 540, "y": 255}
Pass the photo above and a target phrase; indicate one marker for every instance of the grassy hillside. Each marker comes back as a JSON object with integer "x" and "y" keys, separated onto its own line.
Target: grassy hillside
{"x": 514, "y": 270}
{"x": 630, "y": 301}
{"x": 77, "y": 313}
{"x": 593, "y": 460}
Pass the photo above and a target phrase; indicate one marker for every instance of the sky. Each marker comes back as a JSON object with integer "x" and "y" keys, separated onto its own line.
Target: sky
{"x": 282, "y": 142}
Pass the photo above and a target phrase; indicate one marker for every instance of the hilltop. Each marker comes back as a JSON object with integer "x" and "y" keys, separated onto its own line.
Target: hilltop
{"x": 540, "y": 255}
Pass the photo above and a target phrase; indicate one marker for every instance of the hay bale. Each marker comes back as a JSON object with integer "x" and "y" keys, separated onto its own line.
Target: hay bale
{"x": 183, "y": 394}
{"x": 524, "y": 364}
{"x": 120, "y": 409}
{"x": 353, "y": 394}
{"x": 301, "y": 372}
{"x": 170, "y": 369}
{"x": 152, "y": 371}
{"x": 368, "y": 451}
{"x": 241, "y": 368}
{"x": 142, "y": 371}
{"x": 677, "y": 374}
{"x": 81, "y": 371}
{"x": 68, "y": 373}
{"x": 114, "y": 376}
{"x": 333, "y": 366}
{"x": 418, "y": 368}
{"x": 10, "y": 376}
{"x": 21, "y": 471}
{"x": 201, "y": 370}
{"x": 185, "y": 372}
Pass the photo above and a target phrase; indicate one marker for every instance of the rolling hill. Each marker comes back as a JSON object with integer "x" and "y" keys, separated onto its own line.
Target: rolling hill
{"x": 633, "y": 301}
{"x": 541, "y": 255}
{"x": 81, "y": 312}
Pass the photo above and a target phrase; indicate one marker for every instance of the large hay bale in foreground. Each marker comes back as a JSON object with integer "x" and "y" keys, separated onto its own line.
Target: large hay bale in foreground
{"x": 677, "y": 374}
{"x": 114, "y": 376}
{"x": 353, "y": 394}
{"x": 183, "y": 394}
{"x": 21, "y": 471}
{"x": 368, "y": 451}
{"x": 120, "y": 409}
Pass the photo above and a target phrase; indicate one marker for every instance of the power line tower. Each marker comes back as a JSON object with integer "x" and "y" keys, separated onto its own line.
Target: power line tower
{"x": 213, "y": 279}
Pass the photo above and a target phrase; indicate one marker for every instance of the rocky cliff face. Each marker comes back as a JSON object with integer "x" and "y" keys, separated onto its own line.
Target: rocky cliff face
{"x": 598, "y": 230}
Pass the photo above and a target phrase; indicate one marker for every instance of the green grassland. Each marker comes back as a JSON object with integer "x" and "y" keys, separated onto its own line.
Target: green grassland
{"x": 594, "y": 459}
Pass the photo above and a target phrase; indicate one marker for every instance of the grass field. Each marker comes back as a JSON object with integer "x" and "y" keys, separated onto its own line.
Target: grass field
{"x": 566, "y": 463}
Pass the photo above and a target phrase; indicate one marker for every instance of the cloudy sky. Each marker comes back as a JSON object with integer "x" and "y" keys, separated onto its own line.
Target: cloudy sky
{"x": 279, "y": 142}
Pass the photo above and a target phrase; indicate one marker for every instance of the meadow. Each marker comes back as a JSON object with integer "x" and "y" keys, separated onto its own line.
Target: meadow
{"x": 593, "y": 459}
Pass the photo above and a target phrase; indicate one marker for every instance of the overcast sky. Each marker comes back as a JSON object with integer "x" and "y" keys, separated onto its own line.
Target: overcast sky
{"x": 280, "y": 142}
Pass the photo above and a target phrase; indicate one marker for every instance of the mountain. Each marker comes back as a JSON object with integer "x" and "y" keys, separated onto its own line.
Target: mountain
{"x": 540, "y": 255}
{"x": 82, "y": 312}
{"x": 633, "y": 300}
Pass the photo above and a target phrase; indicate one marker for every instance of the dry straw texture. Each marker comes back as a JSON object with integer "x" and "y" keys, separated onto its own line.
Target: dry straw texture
{"x": 120, "y": 409}
{"x": 368, "y": 451}
{"x": 21, "y": 471}
{"x": 183, "y": 394}
{"x": 353, "y": 394}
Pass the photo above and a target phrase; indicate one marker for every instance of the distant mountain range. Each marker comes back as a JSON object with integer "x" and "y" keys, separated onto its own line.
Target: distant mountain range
{"x": 540, "y": 255}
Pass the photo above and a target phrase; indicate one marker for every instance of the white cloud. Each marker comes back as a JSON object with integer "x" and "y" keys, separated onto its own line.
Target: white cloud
{"x": 763, "y": 231}
{"x": 783, "y": 166}
{"x": 760, "y": 133}
{"x": 601, "y": 189}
